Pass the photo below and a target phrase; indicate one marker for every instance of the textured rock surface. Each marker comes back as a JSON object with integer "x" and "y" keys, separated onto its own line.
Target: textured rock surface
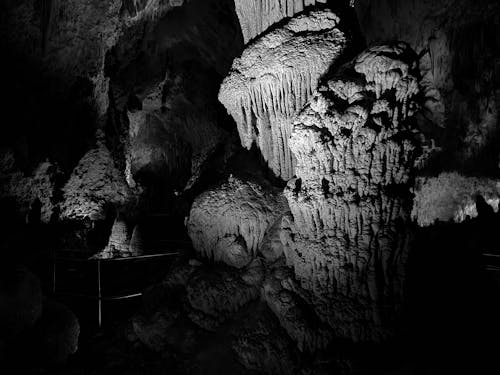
{"x": 176, "y": 131}
{"x": 25, "y": 190}
{"x": 119, "y": 241}
{"x": 228, "y": 223}
{"x": 459, "y": 64}
{"x": 216, "y": 296}
{"x": 153, "y": 331}
{"x": 257, "y": 15}
{"x": 452, "y": 196}
{"x": 136, "y": 247}
{"x": 355, "y": 146}
{"x": 294, "y": 314}
{"x": 261, "y": 344}
{"x": 274, "y": 78}
{"x": 94, "y": 183}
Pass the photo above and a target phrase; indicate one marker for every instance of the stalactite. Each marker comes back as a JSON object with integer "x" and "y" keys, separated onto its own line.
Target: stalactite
{"x": 257, "y": 15}
{"x": 274, "y": 78}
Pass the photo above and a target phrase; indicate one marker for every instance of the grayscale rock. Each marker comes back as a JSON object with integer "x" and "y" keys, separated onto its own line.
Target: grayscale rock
{"x": 346, "y": 237}
{"x": 275, "y": 77}
{"x": 451, "y": 196}
{"x": 229, "y": 223}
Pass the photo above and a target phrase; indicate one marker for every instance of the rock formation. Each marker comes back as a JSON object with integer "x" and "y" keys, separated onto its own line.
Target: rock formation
{"x": 216, "y": 296}
{"x": 356, "y": 147}
{"x": 458, "y": 61}
{"x": 293, "y": 312}
{"x": 228, "y": 223}
{"x": 274, "y": 78}
{"x": 262, "y": 345}
{"x": 136, "y": 247}
{"x": 94, "y": 183}
{"x": 175, "y": 132}
{"x": 119, "y": 243}
{"x": 25, "y": 190}
{"x": 257, "y": 15}
{"x": 452, "y": 197}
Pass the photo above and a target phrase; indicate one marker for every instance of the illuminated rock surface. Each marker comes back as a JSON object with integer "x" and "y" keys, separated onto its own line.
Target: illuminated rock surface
{"x": 459, "y": 67}
{"x": 137, "y": 246}
{"x": 228, "y": 223}
{"x": 94, "y": 183}
{"x": 257, "y": 15}
{"x": 274, "y": 78}
{"x": 355, "y": 147}
{"x": 452, "y": 197}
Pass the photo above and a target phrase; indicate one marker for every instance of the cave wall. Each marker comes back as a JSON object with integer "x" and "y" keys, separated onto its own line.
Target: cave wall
{"x": 458, "y": 45}
{"x": 84, "y": 68}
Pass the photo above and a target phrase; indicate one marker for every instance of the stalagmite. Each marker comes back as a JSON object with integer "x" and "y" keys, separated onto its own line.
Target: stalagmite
{"x": 119, "y": 241}
{"x": 257, "y": 15}
{"x": 273, "y": 80}
{"x": 228, "y": 223}
{"x": 136, "y": 247}
{"x": 356, "y": 146}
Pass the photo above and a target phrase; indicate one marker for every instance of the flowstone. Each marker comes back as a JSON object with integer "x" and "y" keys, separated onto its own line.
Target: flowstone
{"x": 228, "y": 223}
{"x": 356, "y": 147}
{"x": 275, "y": 77}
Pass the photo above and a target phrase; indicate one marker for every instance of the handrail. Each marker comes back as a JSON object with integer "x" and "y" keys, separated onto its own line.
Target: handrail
{"x": 491, "y": 255}
{"x": 140, "y": 257}
{"x": 99, "y": 297}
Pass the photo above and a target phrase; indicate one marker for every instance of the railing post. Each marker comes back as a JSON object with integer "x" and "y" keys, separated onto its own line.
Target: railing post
{"x": 99, "y": 300}
{"x": 54, "y": 275}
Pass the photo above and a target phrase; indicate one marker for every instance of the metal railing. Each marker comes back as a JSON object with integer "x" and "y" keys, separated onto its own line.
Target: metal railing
{"x": 99, "y": 295}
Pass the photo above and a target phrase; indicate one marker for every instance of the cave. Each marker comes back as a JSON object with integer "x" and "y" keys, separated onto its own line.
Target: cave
{"x": 250, "y": 187}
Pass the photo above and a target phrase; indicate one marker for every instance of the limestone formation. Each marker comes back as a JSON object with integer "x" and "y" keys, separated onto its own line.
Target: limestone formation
{"x": 458, "y": 62}
{"x": 153, "y": 331}
{"x": 356, "y": 147}
{"x": 215, "y": 296}
{"x": 228, "y": 223}
{"x": 262, "y": 345}
{"x": 274, "y": 78}
{"x": 94, "y": 183}
{"x": 119, "y": 241}
{"x": 175, "y": 133}
{"x": 41, "y": 185}
{"x": 294, "y": 314}
{"x": 257, "y": 15}
{"x": 452, "y": 196}
{"x": 136, "y": 247}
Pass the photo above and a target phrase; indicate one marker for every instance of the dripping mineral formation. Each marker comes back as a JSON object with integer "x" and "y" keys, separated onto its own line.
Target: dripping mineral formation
{"x": 257, "y": 15}
{"x": 355, "y": 144}
{"x": 275, "y": 77}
